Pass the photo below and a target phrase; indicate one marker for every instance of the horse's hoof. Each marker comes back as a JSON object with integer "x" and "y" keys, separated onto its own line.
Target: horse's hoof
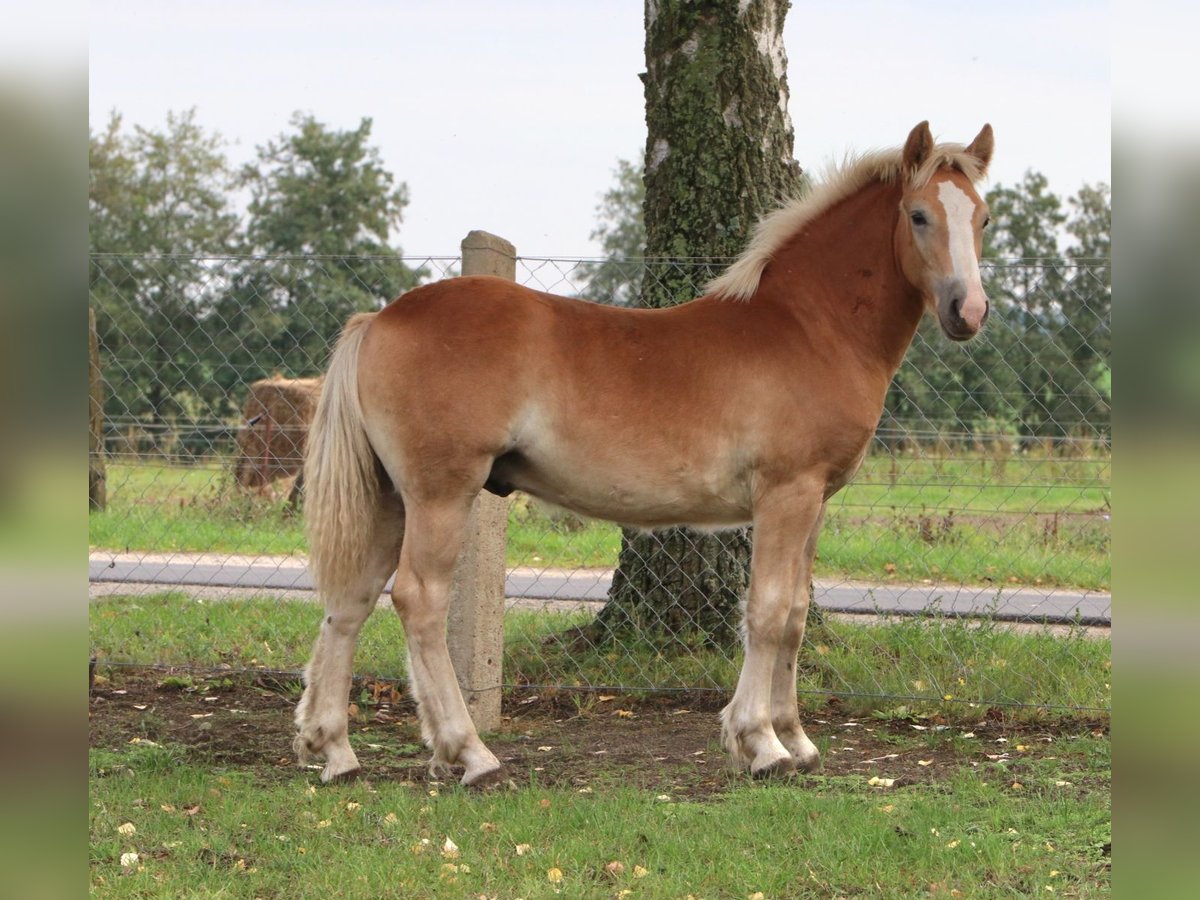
{"x": 342, "y": 777}
{"x": 780, "y": 768}
{"x": 483, "y": 780}
{"x": 810, "y": 766}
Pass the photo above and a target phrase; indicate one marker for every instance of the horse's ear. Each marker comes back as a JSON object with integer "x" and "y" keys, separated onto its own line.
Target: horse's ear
{"x": 917, "y": 148}
{"x": 981, "y": 148}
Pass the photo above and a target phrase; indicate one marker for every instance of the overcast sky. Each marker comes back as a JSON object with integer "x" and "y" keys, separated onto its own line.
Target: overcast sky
{"x": 510, "y": 116}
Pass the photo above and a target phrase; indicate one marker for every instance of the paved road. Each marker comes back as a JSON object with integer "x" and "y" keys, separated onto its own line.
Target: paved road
{"x": 591, "y": 585}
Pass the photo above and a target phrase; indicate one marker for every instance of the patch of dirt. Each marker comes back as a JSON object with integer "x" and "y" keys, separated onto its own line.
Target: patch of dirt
{"x": 669, "y": 744}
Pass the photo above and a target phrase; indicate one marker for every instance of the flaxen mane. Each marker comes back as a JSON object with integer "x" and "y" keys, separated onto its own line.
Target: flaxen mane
{"x": 740, "y": 280}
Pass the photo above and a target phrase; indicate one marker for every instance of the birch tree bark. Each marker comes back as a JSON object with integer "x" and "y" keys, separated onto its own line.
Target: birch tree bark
{"x": 718, "y": 156}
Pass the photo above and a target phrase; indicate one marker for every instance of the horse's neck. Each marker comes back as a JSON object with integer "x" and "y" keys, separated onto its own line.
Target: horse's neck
{"x": 841, "y": 277}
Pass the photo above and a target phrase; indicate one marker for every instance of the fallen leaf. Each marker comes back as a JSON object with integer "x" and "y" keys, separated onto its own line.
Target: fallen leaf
{"x": 924, "y": 762}
{"x": 545, "y": 749}
{"x": 640, "y": 872}
{"x": 352, "y": 806}
{"x": 604, "y": 698}
{"x": 953, "y": 844}
{"x": 128, "y": 860}
{"x": 324, "y": 823}
{"x": 625, "y": 713}
{"x": 127, "y": 828}
{"x": 554, "y": 875}
{"x": 876, "y": 781}
{"x": 450, "y": 849}
{"x": 522, "y": 849}
{"x": 615, "y": 869}
{"x": 390, "y": 818}
{"x": 488, "y": 826}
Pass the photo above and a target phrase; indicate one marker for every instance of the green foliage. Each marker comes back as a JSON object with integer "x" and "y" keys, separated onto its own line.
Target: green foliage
{"x": 160, "y": 199}
{"x": 621, "y": 231}
{"x": 191, "y": 305}
{"x": 322, "y": 192}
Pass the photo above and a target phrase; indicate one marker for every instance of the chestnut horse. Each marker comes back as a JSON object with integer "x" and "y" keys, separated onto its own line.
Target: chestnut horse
{"x": 754, "y": 403}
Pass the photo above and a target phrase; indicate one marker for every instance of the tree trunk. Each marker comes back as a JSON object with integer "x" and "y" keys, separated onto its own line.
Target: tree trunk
{"x": 718, "y": 156}
{"x": 97, "y": 475}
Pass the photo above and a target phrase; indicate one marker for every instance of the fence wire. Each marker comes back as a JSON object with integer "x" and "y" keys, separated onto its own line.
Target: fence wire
{"x": 965, "y": 563}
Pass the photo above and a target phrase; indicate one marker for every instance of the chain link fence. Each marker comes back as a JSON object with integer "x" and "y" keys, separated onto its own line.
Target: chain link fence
{"x": 968, "y": 562}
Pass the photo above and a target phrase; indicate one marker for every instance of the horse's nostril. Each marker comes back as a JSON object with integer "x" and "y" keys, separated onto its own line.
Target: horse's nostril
{"x": 956, "y": 308}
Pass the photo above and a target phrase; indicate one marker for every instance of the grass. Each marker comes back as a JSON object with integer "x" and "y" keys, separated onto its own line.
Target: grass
{"x": 1015, "y": 816}
{"x": 1036, "y": 520}
{"x": 951, "y": 666}
{"x": 205, "y": 831}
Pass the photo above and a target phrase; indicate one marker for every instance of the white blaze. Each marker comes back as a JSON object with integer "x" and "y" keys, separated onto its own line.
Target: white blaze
{"x": 960, "y": 210}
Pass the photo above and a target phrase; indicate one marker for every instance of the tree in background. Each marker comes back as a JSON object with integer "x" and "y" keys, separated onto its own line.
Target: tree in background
{"x": 718, "y": 156}
{"x": 621, "y": 232}
{"x": 191, "y": 305}
{"x": 322, "y": 211}
{"x": 1090, "y": 224}
{"x": 158, "y": 201}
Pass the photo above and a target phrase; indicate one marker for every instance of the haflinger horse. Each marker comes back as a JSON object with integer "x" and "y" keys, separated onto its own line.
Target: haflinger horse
{"x": 753, "y": 403}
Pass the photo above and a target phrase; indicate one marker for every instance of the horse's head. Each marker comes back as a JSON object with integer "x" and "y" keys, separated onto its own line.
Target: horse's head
{"x": 939, "y": 235}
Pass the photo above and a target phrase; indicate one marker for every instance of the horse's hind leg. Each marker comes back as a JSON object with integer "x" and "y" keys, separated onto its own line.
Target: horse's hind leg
{"x": 421, "y": 594}
{"x": 321, "y": 716}
{"x": 785, "y": 712}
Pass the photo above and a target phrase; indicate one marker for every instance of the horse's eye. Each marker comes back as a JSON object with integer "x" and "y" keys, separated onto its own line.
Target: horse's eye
{"x": 987, "y": 221}
{"x": 918, "y": 218}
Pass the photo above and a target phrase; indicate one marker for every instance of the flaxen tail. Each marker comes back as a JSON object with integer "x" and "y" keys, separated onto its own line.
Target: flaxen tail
{"x": 341, "y": 484}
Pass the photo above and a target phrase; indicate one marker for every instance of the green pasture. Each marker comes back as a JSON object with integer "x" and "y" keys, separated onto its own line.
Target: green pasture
{"x": 1021, "y": 519}
{"x": 1015, "y": 816}
{"x": 185, "y": 827}
{"x": 954, "y": 667}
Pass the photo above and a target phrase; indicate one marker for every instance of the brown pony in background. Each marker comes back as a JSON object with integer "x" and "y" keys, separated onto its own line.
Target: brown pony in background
{"x": 754, "y": 403}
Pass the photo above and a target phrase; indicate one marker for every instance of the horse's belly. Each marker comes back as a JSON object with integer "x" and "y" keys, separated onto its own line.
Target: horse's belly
{"x": 631, "y": 495}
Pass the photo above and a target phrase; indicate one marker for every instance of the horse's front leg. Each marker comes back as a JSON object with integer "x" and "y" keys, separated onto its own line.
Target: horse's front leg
{"x": 776, "y": 567}
{"x": 785, "y": 712}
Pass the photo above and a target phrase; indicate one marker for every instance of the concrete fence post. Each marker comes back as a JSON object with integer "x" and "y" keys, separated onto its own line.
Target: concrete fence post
{"x": 475, "y": 632}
